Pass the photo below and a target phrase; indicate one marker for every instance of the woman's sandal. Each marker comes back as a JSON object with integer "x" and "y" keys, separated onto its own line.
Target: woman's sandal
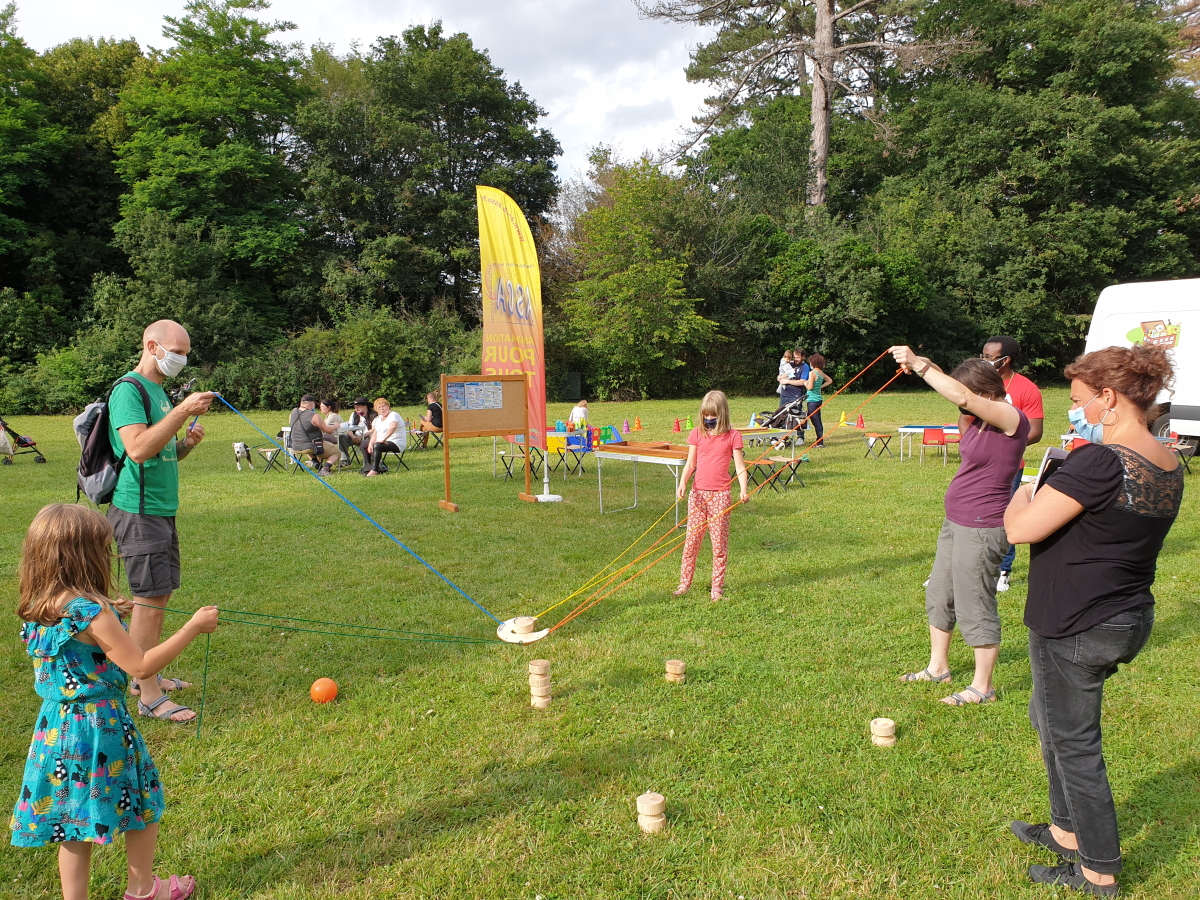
{"x": 148, "y": 710}
{"x": 926, "y": 675}
{"x": 178, "y": 888}
{"x": 167, "y": 684}
{"x": 960, "y": 699}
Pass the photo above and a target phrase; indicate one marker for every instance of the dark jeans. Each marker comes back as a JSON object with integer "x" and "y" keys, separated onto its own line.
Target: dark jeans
{"x": 377, "y": 454}
{"x": 1010, "y": 557}
{"x": 1068, "y": 687}
{"x": 814, "y": 419}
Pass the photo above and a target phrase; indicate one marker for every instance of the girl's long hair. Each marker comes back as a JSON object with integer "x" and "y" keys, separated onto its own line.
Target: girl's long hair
{"x": 67, "y": 553}
{"x": 716, "y": 404}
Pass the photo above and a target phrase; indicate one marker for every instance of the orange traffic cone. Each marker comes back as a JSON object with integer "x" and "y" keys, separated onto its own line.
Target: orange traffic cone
{"x": 675, "y": 428}
{"x": 860, "y": 423}
{"x": 637, "y": 423}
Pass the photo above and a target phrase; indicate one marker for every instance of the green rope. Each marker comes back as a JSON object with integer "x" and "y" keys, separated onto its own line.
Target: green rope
{"x": 449, "y": 639}
{"x": 203, "y": 684}
{"x": 416, "y": 636}
{"x": 427, "y": 634}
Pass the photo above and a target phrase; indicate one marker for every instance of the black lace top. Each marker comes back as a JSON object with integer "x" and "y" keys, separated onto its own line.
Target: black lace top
{"x": 1103, "y": 561}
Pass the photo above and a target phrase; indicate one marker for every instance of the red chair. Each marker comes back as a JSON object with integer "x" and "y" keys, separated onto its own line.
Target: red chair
{"x": 1076, "y": 444}
{"x": 954, "y": 439}
{"x": 933, "y": 437}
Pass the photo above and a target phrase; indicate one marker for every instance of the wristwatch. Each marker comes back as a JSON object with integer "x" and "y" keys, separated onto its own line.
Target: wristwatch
{"x": 921, "y": 374}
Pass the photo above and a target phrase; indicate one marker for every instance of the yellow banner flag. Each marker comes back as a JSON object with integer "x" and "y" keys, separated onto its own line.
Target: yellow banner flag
{"x": 512, "y": 301}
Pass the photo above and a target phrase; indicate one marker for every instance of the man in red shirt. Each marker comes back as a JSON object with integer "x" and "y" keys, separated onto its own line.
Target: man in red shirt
{"x": 1004, "y": 352}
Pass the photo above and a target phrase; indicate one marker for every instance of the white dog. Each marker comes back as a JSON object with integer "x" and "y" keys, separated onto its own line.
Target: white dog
{"x": 240, "y": 452}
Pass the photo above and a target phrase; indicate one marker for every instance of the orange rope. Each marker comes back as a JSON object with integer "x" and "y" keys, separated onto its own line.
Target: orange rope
{"x": 592, "y": 599}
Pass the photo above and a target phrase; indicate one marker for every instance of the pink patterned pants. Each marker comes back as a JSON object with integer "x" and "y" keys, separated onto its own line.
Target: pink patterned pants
{"x": 705, "y": 510}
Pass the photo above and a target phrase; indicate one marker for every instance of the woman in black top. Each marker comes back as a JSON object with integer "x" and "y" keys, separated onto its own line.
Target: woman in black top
{"x": 1095, "y": 530}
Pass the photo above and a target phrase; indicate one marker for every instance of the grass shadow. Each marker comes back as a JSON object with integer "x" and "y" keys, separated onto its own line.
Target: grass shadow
{"x": 1160, "y": 816}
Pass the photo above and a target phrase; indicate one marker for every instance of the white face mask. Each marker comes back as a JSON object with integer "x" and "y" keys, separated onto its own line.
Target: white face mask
{"x": 171, "y": 364}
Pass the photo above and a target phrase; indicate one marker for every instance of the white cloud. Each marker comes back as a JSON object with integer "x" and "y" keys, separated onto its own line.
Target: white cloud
{"x": 602, "y": 74}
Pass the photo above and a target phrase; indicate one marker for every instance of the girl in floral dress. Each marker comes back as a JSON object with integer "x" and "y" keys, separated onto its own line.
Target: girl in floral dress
{"x": 88, "y": 776}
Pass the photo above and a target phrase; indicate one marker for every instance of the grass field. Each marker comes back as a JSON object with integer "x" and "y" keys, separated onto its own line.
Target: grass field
{"x": 432, "y": 777}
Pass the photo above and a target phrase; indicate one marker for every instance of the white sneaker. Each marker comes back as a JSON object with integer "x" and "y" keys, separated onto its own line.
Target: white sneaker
{"x": 1002, "y": 584}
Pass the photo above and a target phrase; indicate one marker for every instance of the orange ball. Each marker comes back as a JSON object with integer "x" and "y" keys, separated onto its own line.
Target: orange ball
{"x": 323, "y": 690}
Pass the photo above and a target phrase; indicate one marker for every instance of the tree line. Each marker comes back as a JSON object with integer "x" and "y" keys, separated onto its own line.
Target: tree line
{"x": 864, "y": 174}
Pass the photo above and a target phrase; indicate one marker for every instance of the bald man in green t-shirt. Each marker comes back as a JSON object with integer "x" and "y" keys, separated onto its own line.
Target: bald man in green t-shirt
{"x": 146, "y": 497}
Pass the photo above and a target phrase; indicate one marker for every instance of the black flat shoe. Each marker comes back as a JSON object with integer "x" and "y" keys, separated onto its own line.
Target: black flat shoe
{"x": 1069, "y": 875}
{"x": 1041, "y": 836}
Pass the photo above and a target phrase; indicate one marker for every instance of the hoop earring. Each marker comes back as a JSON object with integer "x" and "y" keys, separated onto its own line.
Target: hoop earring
{"x": 1114, "y": 421}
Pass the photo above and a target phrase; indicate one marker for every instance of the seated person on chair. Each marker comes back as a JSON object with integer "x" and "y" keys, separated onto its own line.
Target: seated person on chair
{"x": 579, "y": 414}
{"x": 307, "y": 427}
{"x": 388, "y": 434}
{"x": 362, "y": 418}
{"x": 432, "y": 420}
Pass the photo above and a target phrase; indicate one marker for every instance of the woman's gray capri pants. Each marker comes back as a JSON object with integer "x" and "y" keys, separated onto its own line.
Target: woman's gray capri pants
{"x": 962, "y": 588}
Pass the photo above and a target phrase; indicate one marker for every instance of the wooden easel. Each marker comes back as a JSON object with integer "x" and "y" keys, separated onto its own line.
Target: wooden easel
{"x": 484, "y": 406}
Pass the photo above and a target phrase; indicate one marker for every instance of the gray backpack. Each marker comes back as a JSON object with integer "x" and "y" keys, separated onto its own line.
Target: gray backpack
{"x": 99, "y": 467}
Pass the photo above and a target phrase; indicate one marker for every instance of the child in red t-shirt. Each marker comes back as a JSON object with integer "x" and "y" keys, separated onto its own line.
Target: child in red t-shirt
{"x": 712, "y": 445}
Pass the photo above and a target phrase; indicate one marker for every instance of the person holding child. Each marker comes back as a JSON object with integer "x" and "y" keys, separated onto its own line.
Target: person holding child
{"x": 710, "y": 449}
{"x": 88, "y": 775}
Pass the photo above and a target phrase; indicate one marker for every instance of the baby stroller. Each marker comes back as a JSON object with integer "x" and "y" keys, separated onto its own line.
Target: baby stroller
{"x": 23, "y": 444}
{"x": 789, "y": 417}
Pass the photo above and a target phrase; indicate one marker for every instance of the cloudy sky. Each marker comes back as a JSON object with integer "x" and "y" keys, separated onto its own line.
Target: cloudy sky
{"x": 602, "y": 74}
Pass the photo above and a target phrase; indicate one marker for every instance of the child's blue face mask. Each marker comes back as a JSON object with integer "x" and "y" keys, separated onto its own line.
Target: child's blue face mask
{"x": 710, "y": 423}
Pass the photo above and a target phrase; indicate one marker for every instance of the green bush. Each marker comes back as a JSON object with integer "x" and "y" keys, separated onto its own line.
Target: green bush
{"x": 375, "y": 353}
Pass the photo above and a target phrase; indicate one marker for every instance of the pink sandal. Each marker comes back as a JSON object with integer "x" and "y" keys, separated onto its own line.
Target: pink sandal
{"x": 180, "y": 888}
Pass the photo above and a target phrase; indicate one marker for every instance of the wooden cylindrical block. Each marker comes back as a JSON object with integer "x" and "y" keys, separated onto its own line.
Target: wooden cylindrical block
{"x": 540, "y": 690}
{"x": 677, "y": 679}
{"x": 676, "y": 666}
{"x": 883, "y": 740}
{"x": 523, "y": 624}
{"x": 539, "y": 681}
{"x": 651, "y": 804}
{"x": 883, "y": 728}
{"x": 652, "y": 824}
{"x": 539, "y": 667}
{"x": 539, "y": 702}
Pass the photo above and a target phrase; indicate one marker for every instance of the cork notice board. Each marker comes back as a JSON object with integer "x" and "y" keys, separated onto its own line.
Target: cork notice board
{"x": 483, "y": 406}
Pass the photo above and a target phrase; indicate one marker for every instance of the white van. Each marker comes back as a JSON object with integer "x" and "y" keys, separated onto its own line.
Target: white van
{"x": 1166, "y": 313}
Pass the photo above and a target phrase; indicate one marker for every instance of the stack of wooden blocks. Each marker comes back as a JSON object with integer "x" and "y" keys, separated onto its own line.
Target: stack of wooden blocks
{"x": 539, "y": 683}
{"x": 652, "y": 809}
{"x": 883, "y": 732}
{"x": 676, "y": 671}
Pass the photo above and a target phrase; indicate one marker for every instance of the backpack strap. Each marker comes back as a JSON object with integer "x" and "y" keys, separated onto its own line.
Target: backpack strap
{"x": 141, "y": 466}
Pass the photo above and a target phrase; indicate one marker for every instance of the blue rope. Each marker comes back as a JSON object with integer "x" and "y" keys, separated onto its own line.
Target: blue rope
{"x": 343, "y": 498}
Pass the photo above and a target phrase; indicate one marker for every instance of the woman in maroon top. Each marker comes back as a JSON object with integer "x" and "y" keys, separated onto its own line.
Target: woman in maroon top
{"x": 962, "y": 589}
{"x": 1095, "y": 530}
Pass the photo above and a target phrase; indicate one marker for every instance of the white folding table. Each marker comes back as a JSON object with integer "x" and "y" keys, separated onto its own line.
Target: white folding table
{"x": 907, "y": 431}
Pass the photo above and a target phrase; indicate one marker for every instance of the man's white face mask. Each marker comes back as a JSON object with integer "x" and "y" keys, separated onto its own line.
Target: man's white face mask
{"x": 170, "y": 364}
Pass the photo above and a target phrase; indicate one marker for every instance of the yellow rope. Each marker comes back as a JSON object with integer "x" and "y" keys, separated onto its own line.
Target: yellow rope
{"x": 600, "y": 576}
